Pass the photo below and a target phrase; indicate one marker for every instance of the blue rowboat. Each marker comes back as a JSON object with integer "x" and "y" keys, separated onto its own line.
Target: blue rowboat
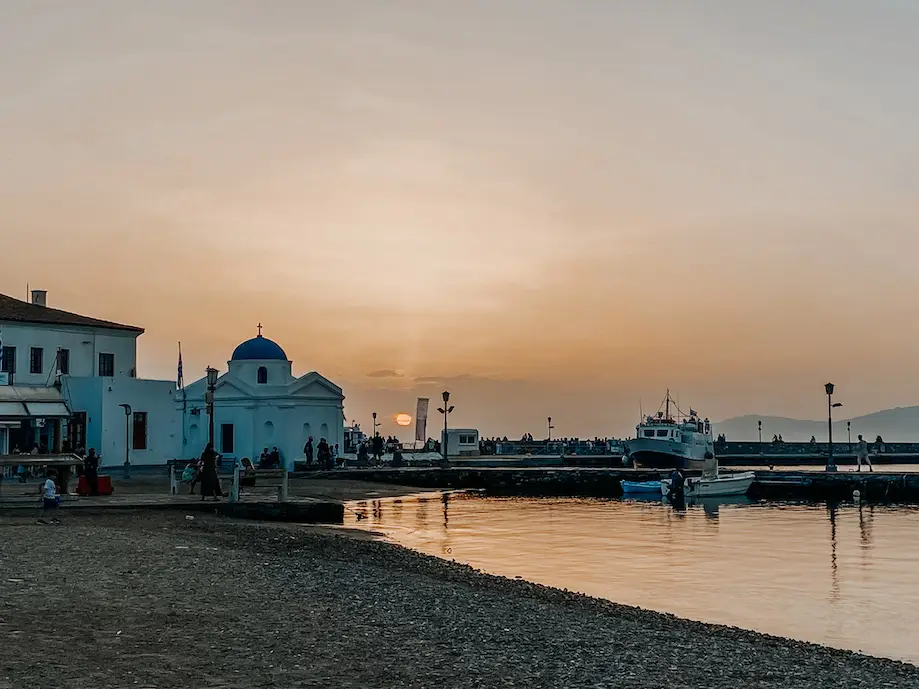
{"x": 641, "y": 486}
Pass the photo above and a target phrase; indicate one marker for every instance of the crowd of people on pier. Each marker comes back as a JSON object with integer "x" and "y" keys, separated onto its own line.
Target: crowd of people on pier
{"x": 565, "y": 445}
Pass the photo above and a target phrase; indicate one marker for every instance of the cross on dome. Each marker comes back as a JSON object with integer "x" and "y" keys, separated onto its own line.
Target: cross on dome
{"x": 259, "y": 329}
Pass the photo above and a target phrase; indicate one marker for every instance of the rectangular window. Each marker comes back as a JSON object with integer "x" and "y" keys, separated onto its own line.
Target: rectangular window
{"x": 226, "y": 438}
{"x": 63, "y": 361}
{"x": 106, "y": 365}
{"x": 36, "y": 360}
{"x": 140, "y": 430}
{"x": 649, "y": 433}
{"x": 9, "y": 360}
{"x": 662, "y": 433}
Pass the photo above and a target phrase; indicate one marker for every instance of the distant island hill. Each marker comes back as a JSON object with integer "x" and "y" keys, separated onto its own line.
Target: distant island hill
{"x": 899, "y": 425}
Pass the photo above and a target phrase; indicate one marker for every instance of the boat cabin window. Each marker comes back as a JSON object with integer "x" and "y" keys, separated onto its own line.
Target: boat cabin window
{"x": 649, "y": 433}
{"x": 662, "y": 433}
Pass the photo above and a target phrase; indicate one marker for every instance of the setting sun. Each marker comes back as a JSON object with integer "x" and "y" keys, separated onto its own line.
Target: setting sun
{"x": 403, "y": 419}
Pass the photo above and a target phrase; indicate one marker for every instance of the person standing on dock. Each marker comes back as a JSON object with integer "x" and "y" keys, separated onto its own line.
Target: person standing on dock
{"x": 210, "y": 483}
{"x": 862, "y": 454}
{"x": 91, "y": 471}
{"x": 308, "y": 452}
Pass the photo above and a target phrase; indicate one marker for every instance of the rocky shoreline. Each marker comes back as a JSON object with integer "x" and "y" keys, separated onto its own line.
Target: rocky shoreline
{"x": 158, "y": 600}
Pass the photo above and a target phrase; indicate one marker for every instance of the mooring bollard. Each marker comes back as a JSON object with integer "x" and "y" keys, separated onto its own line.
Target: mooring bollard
{"x": 285, "y": 477}
{"x": 234, "y": 490}
{"x": 173, "y": 485}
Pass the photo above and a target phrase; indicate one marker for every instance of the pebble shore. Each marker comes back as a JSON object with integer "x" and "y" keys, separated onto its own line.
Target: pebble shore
{"x": 159, "y": 600}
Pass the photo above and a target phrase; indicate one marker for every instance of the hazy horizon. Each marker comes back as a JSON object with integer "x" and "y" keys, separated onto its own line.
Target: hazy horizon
{"x": 550, "y": 208}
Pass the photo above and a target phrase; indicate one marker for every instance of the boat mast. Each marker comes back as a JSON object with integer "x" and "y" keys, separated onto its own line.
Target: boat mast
{"x": 667, "y": 413}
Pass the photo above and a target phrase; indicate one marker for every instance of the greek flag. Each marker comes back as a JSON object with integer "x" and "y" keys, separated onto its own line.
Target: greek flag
{"x": 180, "y": 382}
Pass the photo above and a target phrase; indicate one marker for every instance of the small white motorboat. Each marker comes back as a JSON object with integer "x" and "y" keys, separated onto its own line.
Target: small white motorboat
{"x": 712, "y": 484}
{"x": 723, "y": 485}
{"x": 632, "y": 487}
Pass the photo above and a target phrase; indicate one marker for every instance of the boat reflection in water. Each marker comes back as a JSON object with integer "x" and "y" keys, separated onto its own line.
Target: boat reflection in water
{"x": 710, "y": 506}
{"x": 839, "y": 575}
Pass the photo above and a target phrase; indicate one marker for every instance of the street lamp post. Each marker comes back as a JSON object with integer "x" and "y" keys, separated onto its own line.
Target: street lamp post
{"x": 375, "y": 424}
{"x": 445, "y": 410}
{"x": 759, "y": 427}
{"x": 830, "y": 405}
{"x": 211, "y": 387}
{"x": 550, "y": 429}
{"x": 849, "y": 431}
{"x": 127, "y": 439}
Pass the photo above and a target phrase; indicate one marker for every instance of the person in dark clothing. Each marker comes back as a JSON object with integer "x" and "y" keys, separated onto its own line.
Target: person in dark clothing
{"x": 677, "y": 479}
{"x": 324, "y": 454}
{"x": 308, "y": 452}
{"x": 377, "y": 449}
{"x": 91, "y": 471}
{"x": 210, "y": 484}
{"x": 362, "y": 455}
{"x": 275, "y": 458}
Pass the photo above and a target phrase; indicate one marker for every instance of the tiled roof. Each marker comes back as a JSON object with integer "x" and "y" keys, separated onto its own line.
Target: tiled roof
{"x": 23, "y": 312}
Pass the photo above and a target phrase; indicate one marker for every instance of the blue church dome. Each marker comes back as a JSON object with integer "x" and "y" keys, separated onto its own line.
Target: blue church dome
{"x": 259, "y": 348}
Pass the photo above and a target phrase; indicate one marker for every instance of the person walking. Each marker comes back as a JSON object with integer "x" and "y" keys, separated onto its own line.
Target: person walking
{"x": 862, "y": 454}
{"x": 210, "y": 485}
{"x": 50, "y": 499}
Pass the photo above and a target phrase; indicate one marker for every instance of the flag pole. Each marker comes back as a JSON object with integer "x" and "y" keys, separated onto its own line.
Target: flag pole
{"x": 180, "y": 383}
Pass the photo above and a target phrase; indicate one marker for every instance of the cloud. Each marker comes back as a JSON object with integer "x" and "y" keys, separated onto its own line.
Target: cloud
{"x": 386, "y": 373}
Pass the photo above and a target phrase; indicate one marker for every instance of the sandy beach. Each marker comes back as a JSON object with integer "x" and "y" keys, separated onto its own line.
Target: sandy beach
{"x": 159, "y": 600}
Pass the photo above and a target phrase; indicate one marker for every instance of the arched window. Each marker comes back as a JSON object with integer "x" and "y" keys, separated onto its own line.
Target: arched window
{"x": 262, "y": 375}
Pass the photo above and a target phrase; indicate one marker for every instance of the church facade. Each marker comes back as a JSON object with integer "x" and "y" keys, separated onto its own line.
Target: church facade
{"x": 258, "y": 403}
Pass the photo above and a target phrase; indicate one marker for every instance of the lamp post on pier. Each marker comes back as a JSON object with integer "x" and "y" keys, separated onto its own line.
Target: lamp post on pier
{"x": 849, "y": 431}
{"x": 550, "y": 429}
{"x": 830, "y": 406}
{"x": 209, "y": 398}
{"x": 759, "y": 428}
{"x": 375, "y": 424}
{"x": 127, "y": 439}
{"x": 445, "y": 410}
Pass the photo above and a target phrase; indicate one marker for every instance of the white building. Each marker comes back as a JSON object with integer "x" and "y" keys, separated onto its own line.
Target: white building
{"x": 258, "y": 403}
{"x": 63, "y": 379}
{"x": 461, "y": 442}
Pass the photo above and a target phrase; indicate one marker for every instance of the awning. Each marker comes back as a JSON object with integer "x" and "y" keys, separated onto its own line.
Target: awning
{"x": 13, "y": 410}
{"x": 48, "y": 410}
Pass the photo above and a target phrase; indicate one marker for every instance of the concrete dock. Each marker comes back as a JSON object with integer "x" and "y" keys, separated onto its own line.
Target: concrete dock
{"x": 877, "y": 486}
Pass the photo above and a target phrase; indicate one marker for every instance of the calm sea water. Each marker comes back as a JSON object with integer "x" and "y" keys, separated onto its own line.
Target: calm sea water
{"x": 841, "y": 576}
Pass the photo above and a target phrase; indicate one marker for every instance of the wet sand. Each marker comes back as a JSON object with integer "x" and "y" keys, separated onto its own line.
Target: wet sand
{"x": 157, "y": 600}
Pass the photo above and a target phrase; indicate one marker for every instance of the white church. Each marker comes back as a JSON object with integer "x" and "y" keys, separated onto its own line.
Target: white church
{"x": 258, "y": 404}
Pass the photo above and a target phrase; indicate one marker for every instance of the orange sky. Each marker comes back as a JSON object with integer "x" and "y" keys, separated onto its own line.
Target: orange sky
{"x": 554, "y": 208}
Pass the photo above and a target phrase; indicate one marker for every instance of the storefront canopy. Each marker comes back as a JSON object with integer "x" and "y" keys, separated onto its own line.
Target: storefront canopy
{"x": 25, "y": 402}
{"x": 48, "y": 410}
{"x": 13, "y": 410}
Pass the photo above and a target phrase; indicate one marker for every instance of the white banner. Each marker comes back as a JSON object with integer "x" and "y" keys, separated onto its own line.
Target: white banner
{"x": 421, "y": 419}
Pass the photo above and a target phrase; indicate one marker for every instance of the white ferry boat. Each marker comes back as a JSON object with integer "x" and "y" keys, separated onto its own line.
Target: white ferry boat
{"x": 664, "y": 442}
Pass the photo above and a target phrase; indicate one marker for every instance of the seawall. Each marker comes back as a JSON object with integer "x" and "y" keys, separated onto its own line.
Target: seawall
{"x": 606, "y": 482}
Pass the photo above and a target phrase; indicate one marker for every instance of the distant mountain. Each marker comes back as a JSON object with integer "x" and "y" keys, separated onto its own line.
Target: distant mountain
{"x": 894, "y": 425}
